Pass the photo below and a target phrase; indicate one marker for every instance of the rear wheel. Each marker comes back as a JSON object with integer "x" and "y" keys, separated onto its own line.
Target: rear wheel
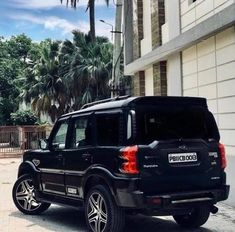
{"x": 101, "y": 212}
{"x": 23, "y": 194}
{"x": 196, "y": 218}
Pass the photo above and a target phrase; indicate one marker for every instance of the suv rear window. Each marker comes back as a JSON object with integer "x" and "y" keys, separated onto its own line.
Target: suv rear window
{"x": 174, "y": 123}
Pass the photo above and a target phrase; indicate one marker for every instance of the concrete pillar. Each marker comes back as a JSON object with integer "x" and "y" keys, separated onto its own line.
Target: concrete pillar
{"x": 174, "y": 75}
{"x": 160, "y": 79}
{"x": 139, "y": 84}
{"x": 158, "y": 19}
{"x": 149, "y": 87}
{"x": 172, "y": 16}
{"x": 137, "y": 27}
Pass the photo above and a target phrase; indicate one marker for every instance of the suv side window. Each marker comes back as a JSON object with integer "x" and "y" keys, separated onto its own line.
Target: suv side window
{"x": 82, "y": 132}
{"x": 59, "y": 139}
{"x": 108, "y": 128}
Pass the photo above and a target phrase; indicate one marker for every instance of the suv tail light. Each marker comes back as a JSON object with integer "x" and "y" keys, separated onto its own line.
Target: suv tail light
{"x": 222, "y": 156}
{"x": 129, "y": 155}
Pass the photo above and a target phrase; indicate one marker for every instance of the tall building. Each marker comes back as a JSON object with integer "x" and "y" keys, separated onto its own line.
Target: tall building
{"x": 185, "y": 48}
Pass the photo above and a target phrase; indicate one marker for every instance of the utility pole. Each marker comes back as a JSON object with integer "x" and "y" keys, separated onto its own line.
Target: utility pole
{"x": 117, "y": 50}
{"x": 102, "y": 21}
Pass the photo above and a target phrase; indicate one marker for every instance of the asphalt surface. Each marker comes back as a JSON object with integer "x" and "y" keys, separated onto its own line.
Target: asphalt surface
{"x": 62, "y": 219}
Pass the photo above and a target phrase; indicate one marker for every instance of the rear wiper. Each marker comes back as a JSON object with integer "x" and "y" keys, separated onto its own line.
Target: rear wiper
{"x": 172, "y": 132}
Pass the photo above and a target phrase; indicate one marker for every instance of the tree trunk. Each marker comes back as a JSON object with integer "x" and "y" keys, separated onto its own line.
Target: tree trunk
{"x": 92, "y": 19}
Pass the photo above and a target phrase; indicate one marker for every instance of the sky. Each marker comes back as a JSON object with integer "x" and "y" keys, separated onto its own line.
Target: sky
{"x": 41, "y": 19}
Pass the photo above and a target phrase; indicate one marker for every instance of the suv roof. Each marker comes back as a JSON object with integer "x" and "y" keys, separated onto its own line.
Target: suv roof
{"x": 120, "y": 102}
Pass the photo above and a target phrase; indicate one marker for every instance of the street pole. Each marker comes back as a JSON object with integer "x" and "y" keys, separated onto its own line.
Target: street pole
{"x": 117, "y": 49}
{"x": 102, "y": 21}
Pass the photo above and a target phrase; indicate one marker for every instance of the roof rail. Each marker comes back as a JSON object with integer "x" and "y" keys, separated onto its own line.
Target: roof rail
{"x": 118, "y": 98}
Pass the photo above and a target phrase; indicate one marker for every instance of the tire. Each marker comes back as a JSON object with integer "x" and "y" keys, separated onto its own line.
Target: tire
{"x": 101, "y": 212}
{"x": 195, "y": 219}
{"x": 23, "y": 195}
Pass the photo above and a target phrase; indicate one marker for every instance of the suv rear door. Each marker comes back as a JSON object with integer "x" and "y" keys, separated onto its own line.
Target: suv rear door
{"x": 183, "y": 153}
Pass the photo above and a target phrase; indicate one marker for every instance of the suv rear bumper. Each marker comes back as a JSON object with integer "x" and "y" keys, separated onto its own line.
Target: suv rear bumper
{"x": 171, "y": 201}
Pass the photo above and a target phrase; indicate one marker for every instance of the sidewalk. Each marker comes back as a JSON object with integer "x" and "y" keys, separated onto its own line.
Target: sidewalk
{"x": 63, "y": 219}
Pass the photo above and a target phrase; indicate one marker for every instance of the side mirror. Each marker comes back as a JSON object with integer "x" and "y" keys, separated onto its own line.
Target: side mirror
{"x": 43, "y": 144}
{"x": 58, "y": 146}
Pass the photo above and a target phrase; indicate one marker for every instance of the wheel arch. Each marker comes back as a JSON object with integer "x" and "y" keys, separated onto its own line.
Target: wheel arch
{"x": 99, "y": 176}
{"x": 27, "y": 168}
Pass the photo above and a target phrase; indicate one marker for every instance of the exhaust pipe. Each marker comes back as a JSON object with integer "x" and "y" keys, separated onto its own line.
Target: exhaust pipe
{"x": 214, "y": 209}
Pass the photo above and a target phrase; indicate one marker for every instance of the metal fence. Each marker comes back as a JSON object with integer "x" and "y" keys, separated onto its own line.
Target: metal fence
{"x": 14, "y": 140}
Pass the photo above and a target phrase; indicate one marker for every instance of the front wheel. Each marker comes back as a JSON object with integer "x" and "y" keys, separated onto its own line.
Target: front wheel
{"x": 101, "y": 212}
{"x": 23, "y": 194}
{"x": 194, "y": 219}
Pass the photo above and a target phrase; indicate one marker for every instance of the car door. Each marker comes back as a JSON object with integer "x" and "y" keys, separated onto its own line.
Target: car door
{"x": 51, "y": 167}
{"x": 79, "y": 155}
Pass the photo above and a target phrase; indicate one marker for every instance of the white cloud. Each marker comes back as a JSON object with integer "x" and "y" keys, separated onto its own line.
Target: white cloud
{"x": 53, "y": 23}
{"x": 104, "y": 29}
{"x": 34, "y": 4}
{"x": 101, "y": 28}
{"x": 50, "y": 22}
{"x": 46, "y": 4}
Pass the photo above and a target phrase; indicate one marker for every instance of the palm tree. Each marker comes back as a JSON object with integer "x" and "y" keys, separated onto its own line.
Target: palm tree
{"x": 91, "y": 7}
{"x": 86, "y": 68}
{"x": 44, "y": 88}
{"x": 61, "y": 77}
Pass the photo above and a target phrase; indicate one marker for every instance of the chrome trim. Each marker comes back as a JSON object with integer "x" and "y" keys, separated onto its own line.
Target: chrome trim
{"x": 213, "y": 154}
{"x": 191, "y": 200}
{"x": 51, "y": 191}
{"x": 77, "y": 194}
{"x": 60, "y": 171}
{"x": 54, "y": 171}
{"x": 36, "y": 162}
{"x": 71, "y": 172}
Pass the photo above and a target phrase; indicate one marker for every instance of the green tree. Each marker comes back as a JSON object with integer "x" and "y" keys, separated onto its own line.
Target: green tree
{"x": 86, "y": 68}
{"x": 44, "y": 88}
{"x": 24, "y": 117}
{"x": 19, "y": 47}
{"x": 53, "y": 77}
{"x": 91, "y": 8}
{"x": 12, "y": 66}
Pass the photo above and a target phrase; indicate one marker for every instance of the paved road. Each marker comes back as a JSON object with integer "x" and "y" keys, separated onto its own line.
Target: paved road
{"x": 68, "y": 219}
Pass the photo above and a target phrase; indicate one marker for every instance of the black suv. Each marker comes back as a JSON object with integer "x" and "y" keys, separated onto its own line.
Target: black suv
{"x": 148, "y": 155}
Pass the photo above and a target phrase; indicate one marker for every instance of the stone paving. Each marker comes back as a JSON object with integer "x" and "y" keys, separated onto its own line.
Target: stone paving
{"x": 63, "y": 219}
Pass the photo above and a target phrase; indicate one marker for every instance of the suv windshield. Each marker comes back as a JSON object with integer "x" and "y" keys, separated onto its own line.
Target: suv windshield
{"x": 174, "y": 122}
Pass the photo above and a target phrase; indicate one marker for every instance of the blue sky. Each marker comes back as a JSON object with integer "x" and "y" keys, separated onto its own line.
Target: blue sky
{"x": 40, "y": 19}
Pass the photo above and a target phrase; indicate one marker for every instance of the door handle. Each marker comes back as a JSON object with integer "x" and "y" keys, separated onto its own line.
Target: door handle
{"x": 59, "y": 156}
{"x": 86, "y": 156}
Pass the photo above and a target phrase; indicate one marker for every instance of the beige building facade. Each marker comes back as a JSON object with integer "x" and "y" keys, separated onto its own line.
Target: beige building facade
{"x": 186, "y": 48}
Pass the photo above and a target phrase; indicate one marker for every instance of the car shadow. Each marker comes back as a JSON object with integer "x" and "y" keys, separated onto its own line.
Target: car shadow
{"x": 141, "y": 223}
{"x": 69, "y": 219}
{"x": 56, "y": 218}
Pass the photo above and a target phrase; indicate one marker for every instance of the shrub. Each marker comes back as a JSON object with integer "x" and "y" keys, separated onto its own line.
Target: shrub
{"x": 24, "y": 117}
